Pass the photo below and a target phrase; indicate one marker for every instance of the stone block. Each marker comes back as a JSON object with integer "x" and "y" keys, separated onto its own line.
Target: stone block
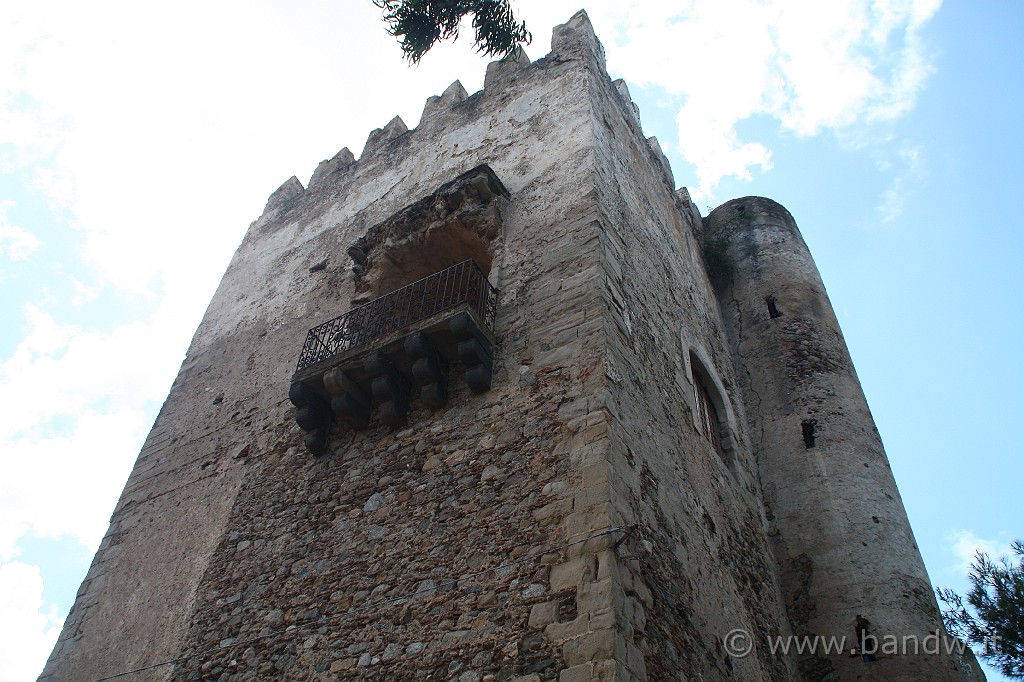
{"x": 285, "y": 193}
{"x": 455, "y": 637}
{"x": 560, "y": 356}
{"x": 380, "y": 136}
{"x": 558, "y": 632}
{"x": 571, "y": 574}
{"x": 598, "y": 473}
{"x": 609, "y": 565}
{"x": 564, "y": 328}
{"x": 591, "y": 523}
{"x": 611, "y": 671}
{"x": 635, "y": 661}
{"x": 597, "y": 596}
{"x": 592, "y": 433}
{"x": 554, "y": 510}
{"x": 643, "y": 593}
{"x": 454, "y": 94}
{"x": 592, "y": 646}
{"x": 604, "y": 618}
{"x": 591, "y": 453}
{"x": 501, "y": 69}
{"x": 343, "y": 665}
{"x": 592, "y": 496}
{"x": 578, "y": 673}
{"x": 543, "y": 614}
{"x": 584, "y": 279}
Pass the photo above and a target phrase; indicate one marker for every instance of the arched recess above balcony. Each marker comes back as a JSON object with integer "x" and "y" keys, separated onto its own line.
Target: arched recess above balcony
{"x": 458, "y": 222}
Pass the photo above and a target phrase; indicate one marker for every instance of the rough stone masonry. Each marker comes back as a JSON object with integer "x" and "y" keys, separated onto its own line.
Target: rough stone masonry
{"x": 647, "y": 436}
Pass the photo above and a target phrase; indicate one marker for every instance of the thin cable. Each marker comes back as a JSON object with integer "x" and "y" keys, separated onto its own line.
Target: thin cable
{"x": 323, "y": 620}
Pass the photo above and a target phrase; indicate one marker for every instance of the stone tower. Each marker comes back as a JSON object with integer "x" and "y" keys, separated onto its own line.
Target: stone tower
{"x": 494, "y": 402}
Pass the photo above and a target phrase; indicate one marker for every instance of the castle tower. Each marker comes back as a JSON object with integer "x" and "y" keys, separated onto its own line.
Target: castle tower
{"x": 468, "y": 408}
{"x": 839, "y": 530}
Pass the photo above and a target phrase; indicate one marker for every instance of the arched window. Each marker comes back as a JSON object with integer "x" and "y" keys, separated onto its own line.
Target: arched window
{"x": 712, "y": 415}
{"x": 707, "y": 416}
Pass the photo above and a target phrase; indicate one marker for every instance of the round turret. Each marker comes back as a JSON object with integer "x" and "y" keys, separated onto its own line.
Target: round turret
{"x": 840, "y": 533}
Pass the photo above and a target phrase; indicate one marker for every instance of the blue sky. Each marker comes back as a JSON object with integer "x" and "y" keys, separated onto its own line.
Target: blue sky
{"x": 137, "y": 143}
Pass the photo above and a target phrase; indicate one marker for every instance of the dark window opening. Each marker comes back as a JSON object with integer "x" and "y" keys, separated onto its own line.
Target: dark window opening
{"x": 707, "y": 415}
{"x": 809, "y": 426}
{"x": 439, "y": 250}
{"x": 773, "y": 308}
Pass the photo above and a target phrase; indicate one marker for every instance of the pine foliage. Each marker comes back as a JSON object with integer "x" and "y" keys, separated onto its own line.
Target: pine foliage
{"x": 420, "y": 24}
{"x": 993, "y": 617}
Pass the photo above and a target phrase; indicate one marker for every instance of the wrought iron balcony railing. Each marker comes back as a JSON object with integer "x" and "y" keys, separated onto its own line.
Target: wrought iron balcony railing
{"x": 459, "y": 285}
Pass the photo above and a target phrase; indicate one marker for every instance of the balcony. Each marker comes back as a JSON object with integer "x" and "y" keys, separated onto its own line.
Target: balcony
{"x": 395, "y": 348}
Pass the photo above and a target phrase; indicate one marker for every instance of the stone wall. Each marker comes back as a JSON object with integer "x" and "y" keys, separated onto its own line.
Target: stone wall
{"x": 228, "y": 529}
{"x": 435, "y": 552}
{"x": 700, "y": 563}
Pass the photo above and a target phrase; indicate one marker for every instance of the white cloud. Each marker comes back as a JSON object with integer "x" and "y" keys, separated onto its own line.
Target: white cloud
{"x": 163, "y": 135}
{"x": 16, "y": 243}
{"x": 813, "y": 66}
{"x": 28, "y": 629}
{"x": 65, "y": 485}
{"x": 157, "y": 107}
{"x": 909, "y": 169}
{"x": 893, "y": 200}
{"x": 83, "y": 293}
{"x": 77, "y": 406}
{"x": 965, "y": 544}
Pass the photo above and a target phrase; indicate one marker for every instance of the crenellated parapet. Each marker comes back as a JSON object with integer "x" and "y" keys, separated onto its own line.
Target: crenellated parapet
{"x": 453, "y": 94}
{"x": 339, "y": 161}
{"x": 573, "y": 41}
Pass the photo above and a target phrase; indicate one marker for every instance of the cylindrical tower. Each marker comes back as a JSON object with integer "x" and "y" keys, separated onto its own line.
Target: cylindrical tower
{"x": 840, "y": 532}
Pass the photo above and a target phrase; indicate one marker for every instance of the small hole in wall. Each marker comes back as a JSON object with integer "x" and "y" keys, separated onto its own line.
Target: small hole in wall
{"x": 809, "y": 426}
{"x": 773, "y": 307}
{"x": 567, "y": 608}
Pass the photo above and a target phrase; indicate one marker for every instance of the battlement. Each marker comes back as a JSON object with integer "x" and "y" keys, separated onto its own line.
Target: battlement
{"x": 574, "y": 40}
